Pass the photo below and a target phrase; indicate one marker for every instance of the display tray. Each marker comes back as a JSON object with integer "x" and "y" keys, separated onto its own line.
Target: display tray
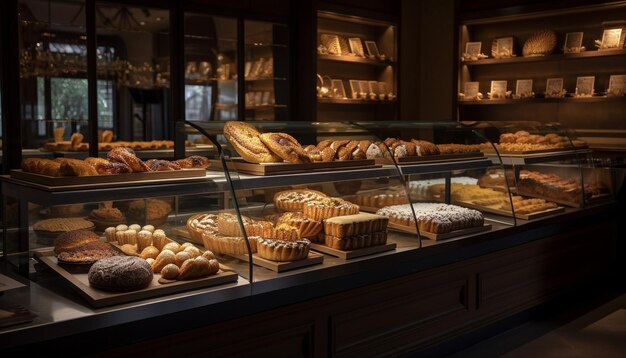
{"x": 351, "y": 254}
{"x": 183, "y": 232}
{"x": 281, "y": 266}
{"x": 494, "y": 210}
{"x": 447, "y": 235}
{"x": 106, "y": 178}
{"x": 572, "y": 204}
{"x": 99, "y": 298}
{"x": 264, "y": 169}
{"x": 432, "y": 158}
{"x": 536, "y": 151}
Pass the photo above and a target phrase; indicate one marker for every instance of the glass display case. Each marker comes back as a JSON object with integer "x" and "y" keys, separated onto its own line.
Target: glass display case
{"x": 281, "y": 197}
{"x": 356, "y": 68}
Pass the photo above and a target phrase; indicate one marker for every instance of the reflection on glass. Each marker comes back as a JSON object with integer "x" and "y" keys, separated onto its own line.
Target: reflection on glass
{"x": 53, "y": 74}
{"x": 210, "y": 68}
{"x": 266, "y": 67}
{"x": 133, "y": 69}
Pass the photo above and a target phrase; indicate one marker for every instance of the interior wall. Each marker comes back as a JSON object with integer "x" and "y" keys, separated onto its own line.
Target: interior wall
{"x": 409, "y": 78}
{"x": 436, "y": 61}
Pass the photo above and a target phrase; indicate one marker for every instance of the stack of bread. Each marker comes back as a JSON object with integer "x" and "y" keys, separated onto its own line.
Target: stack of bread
{"x": 524, "y": 141}
{"x": 119, "y": 160}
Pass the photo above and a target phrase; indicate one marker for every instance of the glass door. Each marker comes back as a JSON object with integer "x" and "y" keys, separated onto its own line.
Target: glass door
{"x": 266, "y": 68}
{"x": 210, "y": 68}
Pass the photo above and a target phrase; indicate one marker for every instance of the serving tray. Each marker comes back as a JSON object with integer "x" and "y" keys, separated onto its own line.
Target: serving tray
{"x": 265, "y": 169}
{"x": 281, "y": 266}
{"x": 108, "y": 179}
{"x": 432, "y": 158}
{"x": 77, "y": 278}
{"x": 447, "y": 235}
{"x": 351, "y": 254}
{"x": 494, "y": 210}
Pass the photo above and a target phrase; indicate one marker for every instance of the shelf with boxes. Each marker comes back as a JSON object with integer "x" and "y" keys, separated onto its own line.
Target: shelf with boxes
{"x": 563, "y": 65}
{"x": 356, "y": 64}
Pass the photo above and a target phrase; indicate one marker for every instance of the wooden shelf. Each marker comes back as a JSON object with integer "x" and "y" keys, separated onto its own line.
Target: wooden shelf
{"x": 548, "y": 58}
{"x": 267, "y": 106}
{"x": 495, "y": 102}
{"x": 355, "y": 59}
{"x": 353, "y": 102}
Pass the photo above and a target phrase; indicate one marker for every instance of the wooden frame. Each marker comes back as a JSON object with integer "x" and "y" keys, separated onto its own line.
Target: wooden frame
{"x": 611, "y": 39}
{"x": 372, "y": 49}
{"x": 338, "y": 85}
{"x": 356, "y": 46}
{"x": 573, "y": 42}
{"x": 471, "y": 89}
{"x": 498, "y": 89}
{"x": 554, "y": 87}
{"x": 617, "y": 85}
{"x": 585, "y": 85}
{"x": 473, "y": 48}
{"x": 523, "y": 88}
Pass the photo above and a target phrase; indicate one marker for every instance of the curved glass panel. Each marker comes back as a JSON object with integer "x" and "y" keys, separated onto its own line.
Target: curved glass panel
{"x": 304, "y": 215}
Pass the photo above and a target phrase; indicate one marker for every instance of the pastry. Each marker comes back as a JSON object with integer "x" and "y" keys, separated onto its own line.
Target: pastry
{"x": 150, "y": 228}
{"x": 324, "y": 144}
{"x": 66, "y": 210}
{"x": 458, "y": 148}
{"x": 156, "y": 211}
{"x": 228, "y": 224}
{"x": 198, "y": 267}
{"x": 192, "y": 251}
{"x": 144, "y": 239}
{"x": 219, "y": 243}
{"x": 285, "y": 146}
{"x": 313, "y": 153}
{"x": 127, "y": 156}
{"x": 357, "y": 224}
{"x": 120, "y": 273}
{"x": 208, "y": 255}
{"x": 109, "y": 233}
{"x": 87, "y": 253}
{"x": 73, "y": 240}
{"x": 373, "y": 151}
{"x": 159, "y": 240}
{"x": 295, "y": 199}
{"x": 286, "y": 232}
{"x": 105, "y": 166}
{"x": 181, "y": 257}
{"x": 245, "y": 139}
{"x": 135, "y": 227}
{"x": 381, "y": 198}
{"x": 128, "y": 249}
{"x": 325, "y": 208}
{"x": 306, "y": 226}
{"x": 107, "y": 136}
{"x": 105, "y": 217}
{"x": 356, "y": 241}
{"x": 170, "y": 272}
{"x": 121, "y": 227}
{"x": 433, "y": 217}
{"x": 130, "y": 237}
{"x": 157, "y": 165}
{"x": 60, "y": 225}
{"x": 164, "y": 258}
{"x": 328, "y": 154}
{"x": 171, "y": 246}
{"x": 194, "y": 161}
{"x": 120, "y": 237}
{"x": 76, "y": 168}
{"x": 279, "y": 250}
{"x": 552, "y": 186}
{"x": 198, "y": 223}
{"x": 75, "y": 140}
{"x": 41, "y": 166}
{"x": 425, "y": 148}
{"x": 149, "y": 252}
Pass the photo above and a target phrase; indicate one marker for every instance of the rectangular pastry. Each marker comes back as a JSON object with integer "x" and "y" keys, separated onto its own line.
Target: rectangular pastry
{"x": 350, "y": 225}
{"x": 356, "y": 241}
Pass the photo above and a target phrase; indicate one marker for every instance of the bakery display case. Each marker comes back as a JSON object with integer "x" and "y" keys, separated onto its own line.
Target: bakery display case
{"x": 266, "y": 70}
{"x": 563, "y": 65}
{"x": 356, "y": 68}
{"x": 548, "y": 162}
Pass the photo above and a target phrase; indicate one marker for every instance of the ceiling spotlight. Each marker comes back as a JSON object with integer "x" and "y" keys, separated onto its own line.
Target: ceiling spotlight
{"x": 158, "y": 18}
{"x": 142, "y": 23}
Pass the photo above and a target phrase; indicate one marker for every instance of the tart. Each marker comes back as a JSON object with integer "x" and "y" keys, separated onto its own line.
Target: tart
{"x": 356, "y": 241}
{"x": 434, "y": 217}
{"x": 199, "y": 223}
{"x": 220, "y": 244}
{"x": 294, "y": 200}
{"x": 280, "y": 250}
{"x": 54, "y": 227}
{"x": 326, "y": 208}
{"x": 306, "y": 226}
{"x": 287, "y": 232}
{"x": 106, "y": 217}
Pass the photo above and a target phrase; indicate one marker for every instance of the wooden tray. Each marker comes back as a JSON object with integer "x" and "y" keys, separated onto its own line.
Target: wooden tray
{"x": 113, "y": 179}
{"x": 99, "y": 298}
{"x": 558, "y": 201}
{"x": 433, "y": 236}
{"x": 535, "y": 151}
{"x": 264, "y": 169}
{"x": 183, "y": 232}
{"x": 279, "y": 266}
{"x": 531, "y": 216}
{"x": 432, "y": 158}
{"x": 351, "y": 254}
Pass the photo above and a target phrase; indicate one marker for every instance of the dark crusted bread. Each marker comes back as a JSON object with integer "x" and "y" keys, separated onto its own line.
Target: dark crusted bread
{"x": 120, "y": 273}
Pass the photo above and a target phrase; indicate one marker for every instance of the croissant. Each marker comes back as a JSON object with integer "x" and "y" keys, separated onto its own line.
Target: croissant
{"x": 162, "y": 165}
{"x": 76, "y": 168}
{"x": 41, "y": 166}
{"x": 127, "y": 156}
{"x": 198, "y": 267}
{"x": 166, "y": 257}
{"x": 104, "y": 166}
{"x": 76, "y": 139}
{"x": 194, "y": 161}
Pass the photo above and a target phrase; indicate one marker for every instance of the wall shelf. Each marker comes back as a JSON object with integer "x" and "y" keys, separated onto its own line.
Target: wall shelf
{"x": 355, "y": 59}
{"x": 548, "y": 58}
